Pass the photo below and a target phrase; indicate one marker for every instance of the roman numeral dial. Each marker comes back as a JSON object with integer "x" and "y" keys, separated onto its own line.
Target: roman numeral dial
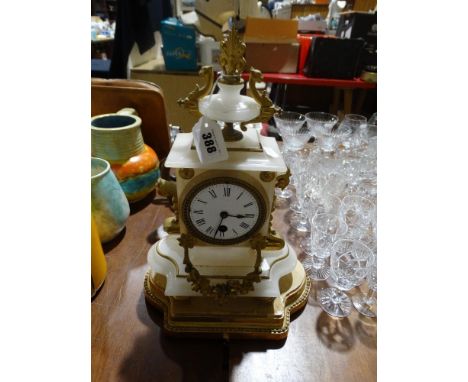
{"x": 224, "y": 211}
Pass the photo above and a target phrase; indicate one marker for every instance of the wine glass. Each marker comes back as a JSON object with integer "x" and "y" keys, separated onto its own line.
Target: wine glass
{"x": 323, "y": 204}
{"x": 329, "y": 204}
{"x": 372, "y": 147}
{"x": 287, "y": 191}
{"x": 287, "y": 122}
{"x": 292, "y": 129}
{"x": 349, "y": 264}
{"x": 323, "y": 124}
{"x": 325, "y": 230}
{"x": 305, "y": 175}
{"x": 349, "y": 163}
{"x": 366, "y": 303}
{"x": 341, "y": 135}
{"x": 368, "y": 171}
{"x": 359, "y": 214}
{"x": 358, "y": 124}
{"x": 371, "y": 130}
{"x": 367, "y": 178}
{"x": 335, "y": 185}
{"x": 312, "y": 177}
{"x": 357, "y": 211}
{"x": 372, "y": 125}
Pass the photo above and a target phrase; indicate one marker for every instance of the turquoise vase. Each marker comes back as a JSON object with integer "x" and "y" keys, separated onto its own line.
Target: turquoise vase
{"x": 109, "y": 205}
{"x": 117, "y": 138}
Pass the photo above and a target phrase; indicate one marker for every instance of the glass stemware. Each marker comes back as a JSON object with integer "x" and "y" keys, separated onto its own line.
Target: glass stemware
{"x": 371, "y": 130}
{"x": 307, "y": 178}
{"x": 324, "y": 204}
{"x": 366, "y": 303}
{"x": 372, "y": 147}
{"x": 287, "y": 123}
{"x": 340, "y": 179}
{"x": 349, "y": 165}
{"x": 286, "y": 192}
{"x": 329, "y": 204}
{"x": 335, "y": 185}
{"x": 372, "y": 126}
{"x": 349, "y": 264}
{"x": 301, "y": 224}
{"x": 313, "y": 178}
{"x": 359, "y": 214}
{"x": 357, "y": 211}
{"x": 291, "y": 120}
{"x": 341, "y": 135}
{"x": 358, "y": 124}
{"x": 323, "y": 124}
{"x": 326, "y": 229}
{"x": 292, "y": 129}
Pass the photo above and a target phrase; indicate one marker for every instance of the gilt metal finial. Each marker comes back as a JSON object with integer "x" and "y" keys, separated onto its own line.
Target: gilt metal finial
{"x": 231, "y": 57}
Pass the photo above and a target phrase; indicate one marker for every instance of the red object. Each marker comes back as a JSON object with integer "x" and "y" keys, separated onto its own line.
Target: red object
{"x": 305, "y": 40}
{"x": 300, "y": 79}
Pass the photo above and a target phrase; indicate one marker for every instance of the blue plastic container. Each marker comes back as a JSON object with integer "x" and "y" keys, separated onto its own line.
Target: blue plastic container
{"x": 179, "y": 47}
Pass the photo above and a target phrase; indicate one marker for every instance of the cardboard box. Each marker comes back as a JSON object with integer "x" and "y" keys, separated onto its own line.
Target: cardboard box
{"x": 312, "y": 25}
{"x": 272, "y": 58}
{"x": 271, "y": 45}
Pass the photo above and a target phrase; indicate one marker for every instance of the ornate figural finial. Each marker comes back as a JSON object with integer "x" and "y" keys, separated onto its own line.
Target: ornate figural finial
{"x": 231, "y": 57}
{"x": 268, "y": 108}
{"x": 191, "y": 101}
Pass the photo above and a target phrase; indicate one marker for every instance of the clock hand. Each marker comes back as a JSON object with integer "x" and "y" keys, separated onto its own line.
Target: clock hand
{"x": 223, "y": 216}
{"x": 238, "y": 216}
{"x": 219, "y": 225}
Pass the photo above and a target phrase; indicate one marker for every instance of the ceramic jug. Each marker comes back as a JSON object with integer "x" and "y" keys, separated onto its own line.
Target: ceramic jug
{"x": 117, "y": 138}
{"x": 109, "y": 205}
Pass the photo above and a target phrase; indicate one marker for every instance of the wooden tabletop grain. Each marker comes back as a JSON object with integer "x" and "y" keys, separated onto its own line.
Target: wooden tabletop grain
{"x": 128, "y": 345}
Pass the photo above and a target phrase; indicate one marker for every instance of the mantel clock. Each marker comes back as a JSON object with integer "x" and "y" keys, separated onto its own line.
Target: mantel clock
{"x": 222, "y": 270}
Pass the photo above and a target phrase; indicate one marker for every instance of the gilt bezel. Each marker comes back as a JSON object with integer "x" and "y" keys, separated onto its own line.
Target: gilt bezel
{"x": 223, "y": 180}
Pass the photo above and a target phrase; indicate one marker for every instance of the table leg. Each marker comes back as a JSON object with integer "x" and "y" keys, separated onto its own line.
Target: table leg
{"x": 360, "y": 100}
{"x": 335, "y": 102}
{"x": 280, "y": 95}
{"x": 284, "y": 89}
{"x": 348, "y": 100}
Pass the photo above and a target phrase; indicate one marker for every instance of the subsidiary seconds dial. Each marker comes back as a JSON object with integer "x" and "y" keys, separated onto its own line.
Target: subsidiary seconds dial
{"x": 224, "y": 211}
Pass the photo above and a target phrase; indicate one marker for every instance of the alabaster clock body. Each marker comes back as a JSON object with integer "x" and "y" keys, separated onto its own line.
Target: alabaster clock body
{"x": 226, "y": 203}
{"x": 222, "y": 269}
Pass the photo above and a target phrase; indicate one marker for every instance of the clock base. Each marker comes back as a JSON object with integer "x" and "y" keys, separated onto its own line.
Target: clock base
{"x": 235, "y": 317}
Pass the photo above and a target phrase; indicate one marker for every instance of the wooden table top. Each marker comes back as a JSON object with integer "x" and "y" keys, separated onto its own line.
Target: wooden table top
{"x": 128, "y": 345}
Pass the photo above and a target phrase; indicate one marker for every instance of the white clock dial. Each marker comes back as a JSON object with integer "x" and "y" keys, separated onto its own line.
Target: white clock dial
{"x": 224, "y": 211}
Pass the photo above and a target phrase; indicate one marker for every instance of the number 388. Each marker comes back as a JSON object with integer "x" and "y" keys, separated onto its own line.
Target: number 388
{"x": 209, "y": 143}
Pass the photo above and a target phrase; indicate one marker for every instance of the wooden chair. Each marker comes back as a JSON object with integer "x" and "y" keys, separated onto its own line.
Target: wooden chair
{"x": 111, "y": 95}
